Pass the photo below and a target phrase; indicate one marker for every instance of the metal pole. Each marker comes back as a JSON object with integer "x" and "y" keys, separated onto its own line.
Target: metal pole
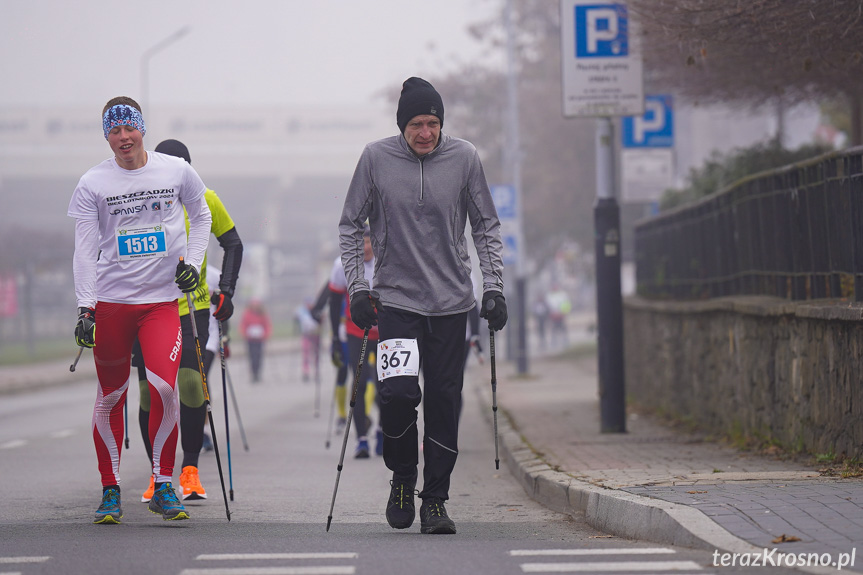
{"x": 145, "y": 63}
{"x": 514, "y": 153}
{"x": 609, "y": 301}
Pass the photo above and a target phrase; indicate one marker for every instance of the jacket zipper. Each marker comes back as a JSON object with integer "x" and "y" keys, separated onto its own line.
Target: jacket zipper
{"x": 422, "y": 189}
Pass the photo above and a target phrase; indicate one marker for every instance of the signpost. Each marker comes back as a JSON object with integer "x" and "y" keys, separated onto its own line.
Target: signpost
{"x": 506, "y": 202}
{"x": 648, "y": 157}
{"x": 602, "y": 77}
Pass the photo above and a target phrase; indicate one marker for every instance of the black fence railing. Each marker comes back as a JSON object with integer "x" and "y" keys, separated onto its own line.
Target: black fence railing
{"x": 795, "y": 232}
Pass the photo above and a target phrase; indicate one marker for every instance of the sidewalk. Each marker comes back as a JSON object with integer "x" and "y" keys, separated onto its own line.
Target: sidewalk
{"x": 656, "y": 483}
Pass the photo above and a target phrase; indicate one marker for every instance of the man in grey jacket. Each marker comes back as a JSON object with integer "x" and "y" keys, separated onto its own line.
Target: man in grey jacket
{"x": 418, "y": 190}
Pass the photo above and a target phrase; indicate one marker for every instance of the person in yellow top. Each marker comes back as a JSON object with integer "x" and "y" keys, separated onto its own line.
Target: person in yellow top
{"x": 193, "y": 411}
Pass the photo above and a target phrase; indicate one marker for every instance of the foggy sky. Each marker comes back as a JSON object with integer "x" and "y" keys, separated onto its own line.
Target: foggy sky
{"x": 237, "y": 52}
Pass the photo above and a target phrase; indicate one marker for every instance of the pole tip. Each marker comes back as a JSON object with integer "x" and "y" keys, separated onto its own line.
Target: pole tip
{"x": 329, "y": 520}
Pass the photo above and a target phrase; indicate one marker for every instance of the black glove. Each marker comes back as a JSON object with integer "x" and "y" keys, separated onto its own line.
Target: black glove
{"x": 336, "y": 353}
{"x": 224, "y": 306}
{"x": 85, "y": 329}
{"x": 494, "y": 310}
{"x": 187, "y": 277}
{"x": 364, "y": 306}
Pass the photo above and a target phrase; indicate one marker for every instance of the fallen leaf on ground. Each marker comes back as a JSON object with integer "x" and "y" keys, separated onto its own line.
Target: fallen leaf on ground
{"x": 785, "y": 539}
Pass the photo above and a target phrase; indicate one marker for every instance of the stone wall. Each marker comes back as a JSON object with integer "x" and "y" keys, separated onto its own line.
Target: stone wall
{"x": 784, "y": 371}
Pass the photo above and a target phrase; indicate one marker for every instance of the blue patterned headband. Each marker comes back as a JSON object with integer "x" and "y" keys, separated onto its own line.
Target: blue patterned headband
{"x": 123, "y": 115}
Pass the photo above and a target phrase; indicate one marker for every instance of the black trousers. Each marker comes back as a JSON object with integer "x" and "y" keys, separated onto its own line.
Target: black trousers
{"x": 441, "y": 346}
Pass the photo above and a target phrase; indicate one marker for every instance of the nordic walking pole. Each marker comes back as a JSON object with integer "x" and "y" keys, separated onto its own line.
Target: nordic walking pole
{"x": 225, "y": 402}
{"x": 330, "y": 423}
{"x": 77, "y": 357}
{"x": 206, "y": 395}
{"x": 376, "y": 301}
{"x": 317, "y": 387}
{"x": 348, "y": 423}
{"x": 126, "y": 420}
{"x": 236, "y": 409}
{"x": 490, "y": 306}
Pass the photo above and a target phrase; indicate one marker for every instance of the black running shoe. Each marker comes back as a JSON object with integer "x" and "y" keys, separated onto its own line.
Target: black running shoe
{"x": 433, "y": 517}
{"x": 400, "y": 508}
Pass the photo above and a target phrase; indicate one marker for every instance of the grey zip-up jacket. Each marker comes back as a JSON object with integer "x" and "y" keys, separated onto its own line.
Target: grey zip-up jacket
{"x": 417, "y": 210}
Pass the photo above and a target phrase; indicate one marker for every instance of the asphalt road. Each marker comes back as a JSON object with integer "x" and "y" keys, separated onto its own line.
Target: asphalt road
{"x": 283, "y": 488}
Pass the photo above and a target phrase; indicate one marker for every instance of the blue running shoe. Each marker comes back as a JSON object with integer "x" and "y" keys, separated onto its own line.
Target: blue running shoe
{"x": 166, "y": 504}
{"x": 362, "y": 451}
{"x": 109, "y": 511}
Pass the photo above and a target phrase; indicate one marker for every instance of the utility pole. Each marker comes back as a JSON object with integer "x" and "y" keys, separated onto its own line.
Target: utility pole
{"x": 514, "y": 156}
{"x": 145, "y": 64}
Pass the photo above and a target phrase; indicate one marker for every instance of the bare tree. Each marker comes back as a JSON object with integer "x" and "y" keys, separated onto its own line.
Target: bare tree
{"x": 755, "y": 51}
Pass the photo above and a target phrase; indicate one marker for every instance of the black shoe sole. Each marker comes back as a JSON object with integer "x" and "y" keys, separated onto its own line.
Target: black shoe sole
{"x": 403, "y": 525}
{"x": 440, "y": 529}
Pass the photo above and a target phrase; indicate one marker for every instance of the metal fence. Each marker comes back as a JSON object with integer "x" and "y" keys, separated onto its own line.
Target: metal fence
{"x": 795, "y": 232}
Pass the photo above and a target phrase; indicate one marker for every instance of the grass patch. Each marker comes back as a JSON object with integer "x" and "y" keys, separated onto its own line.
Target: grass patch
{"x": 43, "y": 350}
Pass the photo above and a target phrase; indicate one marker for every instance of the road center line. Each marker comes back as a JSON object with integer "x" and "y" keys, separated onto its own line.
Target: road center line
{"x": 604, "y": 551}
{"x": 24, "y": 559}
{"x": 262, "y": 556}
{"x": 624, "y": 566}
{"x": 309, "y": 570}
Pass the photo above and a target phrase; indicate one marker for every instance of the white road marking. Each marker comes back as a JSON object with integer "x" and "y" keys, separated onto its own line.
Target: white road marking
{"x": 603, "y": 551}
{"x": 24, "y": 559}
{"x": 626, "y": 566}
{"x": 13, "y": 444}
{"x": 253, "y": 556}
{"x": 310, "y": 570}
{"x": 63, "y": 433}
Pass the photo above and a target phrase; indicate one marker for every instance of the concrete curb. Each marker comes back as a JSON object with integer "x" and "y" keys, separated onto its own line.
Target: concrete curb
{"x": 609, "y": 510}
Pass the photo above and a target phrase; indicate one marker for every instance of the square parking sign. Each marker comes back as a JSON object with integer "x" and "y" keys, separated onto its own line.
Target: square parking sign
{"x": 600, "y": 59}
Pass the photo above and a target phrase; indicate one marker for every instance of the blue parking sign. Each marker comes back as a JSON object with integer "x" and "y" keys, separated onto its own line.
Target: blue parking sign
{"x": 654, "y": 128}
{"x": 505, "y": 202}
{"x": 510, "y": 249}
{"x": 601, "y": 31}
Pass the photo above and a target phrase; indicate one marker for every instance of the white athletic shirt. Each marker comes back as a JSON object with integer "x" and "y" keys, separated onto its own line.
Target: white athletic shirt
{"x": 132, "y": 222}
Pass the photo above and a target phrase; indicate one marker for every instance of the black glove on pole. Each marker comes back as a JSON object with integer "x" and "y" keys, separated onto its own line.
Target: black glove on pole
{"x": 224, "y": 306}
{"x": 364, "y": 308}
{"x": 85, "y": 329}
{"x": 496, "y": 312}
{"x": 187, "y": 277}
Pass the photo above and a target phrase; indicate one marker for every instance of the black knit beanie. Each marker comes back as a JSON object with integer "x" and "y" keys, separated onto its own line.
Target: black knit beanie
{"x": 174, "y": 148}
{"x": 418, "y": 98}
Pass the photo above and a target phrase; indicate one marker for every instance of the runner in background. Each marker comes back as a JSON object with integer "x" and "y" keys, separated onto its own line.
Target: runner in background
{"x": 339, "y": 308}
{"x": 338, "y": 350}
{"x": 256, "y": 328}
{"x": 310, "y": 332}
{"x": 193, "y": 410}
